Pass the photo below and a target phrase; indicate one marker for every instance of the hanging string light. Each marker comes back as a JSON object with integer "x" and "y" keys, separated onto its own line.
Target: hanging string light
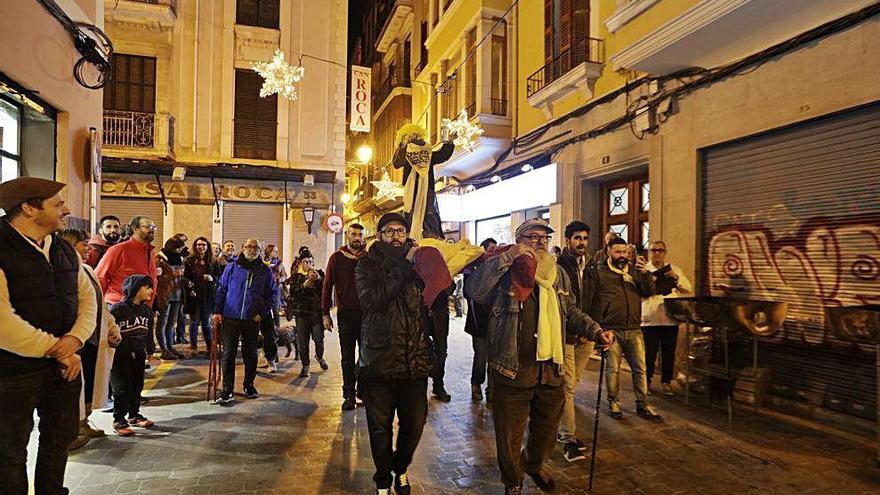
{"x": 279, "y": 76}
{"x": 466, "y": 133}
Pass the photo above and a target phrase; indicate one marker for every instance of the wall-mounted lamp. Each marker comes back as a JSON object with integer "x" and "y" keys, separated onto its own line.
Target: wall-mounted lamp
{"x": 309, "y": 217}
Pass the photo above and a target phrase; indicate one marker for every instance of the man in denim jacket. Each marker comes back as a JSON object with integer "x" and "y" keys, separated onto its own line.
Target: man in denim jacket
{"x": 531, "y": 309}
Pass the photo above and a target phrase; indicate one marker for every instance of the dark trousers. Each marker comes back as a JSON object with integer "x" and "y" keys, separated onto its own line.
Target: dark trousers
{"x": 127, "y": 380}
{"x": 663, "y": 338}
{"x": 231, "y": 331}
{"x": 512, "y": 408}
{"x": 439, "y": 330}
{"x": 201, "y": 315}
{"x": 349, "y": 323}
{"x": 57, "y": 403}
{"x": 478, "y": 370}
{"x": 270, "y": 339}
{"x": 409, "y": 400}
{"x": 309, "y": 326}
{"x": 89, "y": 355}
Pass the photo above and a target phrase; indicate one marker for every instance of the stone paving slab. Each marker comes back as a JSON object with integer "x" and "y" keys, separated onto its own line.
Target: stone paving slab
{"x": 295, "y": 439}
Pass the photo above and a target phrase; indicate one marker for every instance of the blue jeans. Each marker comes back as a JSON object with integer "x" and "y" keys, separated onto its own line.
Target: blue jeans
{"x": 631, "y": 345}
{"x": 168, "y": 317}
{"x": 201, "y": 314}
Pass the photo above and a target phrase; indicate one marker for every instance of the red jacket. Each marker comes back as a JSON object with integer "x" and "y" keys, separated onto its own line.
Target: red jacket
{"x": 99, "y": 249}
{"x": 124, "y": 259}
{"x": 339, "y": 275}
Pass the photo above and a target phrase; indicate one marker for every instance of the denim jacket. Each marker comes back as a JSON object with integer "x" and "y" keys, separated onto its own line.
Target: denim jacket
{"x": 490, "y": 285}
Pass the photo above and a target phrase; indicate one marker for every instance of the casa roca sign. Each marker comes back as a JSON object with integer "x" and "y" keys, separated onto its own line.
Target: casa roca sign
{"x": 268, "y": 192}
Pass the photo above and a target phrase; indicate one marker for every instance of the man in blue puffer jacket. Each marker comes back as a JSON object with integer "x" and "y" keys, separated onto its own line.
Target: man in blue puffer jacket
{"x": 245, "y": 295}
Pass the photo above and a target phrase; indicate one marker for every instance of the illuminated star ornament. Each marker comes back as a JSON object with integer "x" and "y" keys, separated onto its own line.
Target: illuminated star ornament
{"x": 466, "y": 134}
{"x": 278, "y": 76}
{"x": 387, "y": 188}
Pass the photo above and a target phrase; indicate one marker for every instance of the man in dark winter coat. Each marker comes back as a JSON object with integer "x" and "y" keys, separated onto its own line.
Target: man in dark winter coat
{"x": 395, "y": 359}
{"x": 245, "y": 295}
{"x": 48, "y": 309}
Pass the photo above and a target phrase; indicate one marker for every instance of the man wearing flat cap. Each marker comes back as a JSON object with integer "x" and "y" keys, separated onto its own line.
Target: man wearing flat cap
{"x": 47, "y": 310}
{"x": 532, "y": 309}
{"x": 395, "y": 358}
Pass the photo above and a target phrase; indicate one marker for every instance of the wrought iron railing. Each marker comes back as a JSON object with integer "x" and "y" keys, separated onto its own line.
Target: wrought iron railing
{"x": 138, "y": 130}
{"x": 396, "y": 78}
{"x": 170, "y": 3}
{"x": 585, "y": 50}
{"x": 499, "y": 106}
{"x": 471, "y": 109}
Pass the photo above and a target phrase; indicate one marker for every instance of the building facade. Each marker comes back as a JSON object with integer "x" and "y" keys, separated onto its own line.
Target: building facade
{"x": 46, "y": 116}
{"x": 189, "y": 140}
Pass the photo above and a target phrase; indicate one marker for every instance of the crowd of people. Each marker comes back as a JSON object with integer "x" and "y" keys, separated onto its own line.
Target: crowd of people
{"x": 83, "y": 316}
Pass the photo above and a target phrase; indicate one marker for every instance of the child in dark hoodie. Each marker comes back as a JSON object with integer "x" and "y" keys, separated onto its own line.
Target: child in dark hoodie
{"x": 135, "y": 319}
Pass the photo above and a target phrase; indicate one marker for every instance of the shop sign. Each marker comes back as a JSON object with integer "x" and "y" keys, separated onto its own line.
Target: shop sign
{"x": 360, "y": 98}
{"x": 194, "y": 190}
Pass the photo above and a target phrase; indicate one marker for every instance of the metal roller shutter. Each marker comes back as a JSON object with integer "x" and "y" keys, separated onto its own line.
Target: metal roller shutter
{"x": 794, "y": 215}
{"x": 128, "y": 208}
{"x": 263, "y": 221}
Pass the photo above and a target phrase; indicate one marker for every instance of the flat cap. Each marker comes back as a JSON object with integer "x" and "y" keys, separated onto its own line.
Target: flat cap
{"x": 531, "y": 224}
{"x": 16, "y": 191}
{"x": 391, "y": 217}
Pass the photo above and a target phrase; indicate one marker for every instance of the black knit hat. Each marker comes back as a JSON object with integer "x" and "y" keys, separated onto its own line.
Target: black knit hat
{"x": 391, "y": 217}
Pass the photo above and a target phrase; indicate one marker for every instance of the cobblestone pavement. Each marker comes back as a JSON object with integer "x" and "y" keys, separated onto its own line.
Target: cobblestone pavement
{"x": 294, "y": 439}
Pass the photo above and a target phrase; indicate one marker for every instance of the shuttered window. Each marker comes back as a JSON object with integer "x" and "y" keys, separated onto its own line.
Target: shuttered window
{"x": 262, "y": 13}
{"x": 566, "y": 29}
{"x": 132, "y": 85}
{"x": 262, "y": 221}
{"x": 255, "y": 118}
{"x": 128, "y": 208}
{"x": 793, "y": 215}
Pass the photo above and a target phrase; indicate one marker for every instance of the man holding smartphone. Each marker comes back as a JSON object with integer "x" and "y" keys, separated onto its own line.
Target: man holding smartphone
{"x": 615, "y": 289}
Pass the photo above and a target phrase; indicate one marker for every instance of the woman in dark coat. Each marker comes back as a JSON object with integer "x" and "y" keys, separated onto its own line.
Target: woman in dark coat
{"x": 202, "y": 272}
{"x": 475, "y": 325}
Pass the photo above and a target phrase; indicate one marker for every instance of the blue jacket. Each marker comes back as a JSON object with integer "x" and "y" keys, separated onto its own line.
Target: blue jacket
{"x": 246, "y": 289}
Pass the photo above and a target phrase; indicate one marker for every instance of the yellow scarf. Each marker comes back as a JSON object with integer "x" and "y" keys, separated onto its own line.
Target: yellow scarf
{"x": 549, "y": 323}
{"x": 623, "y": 273}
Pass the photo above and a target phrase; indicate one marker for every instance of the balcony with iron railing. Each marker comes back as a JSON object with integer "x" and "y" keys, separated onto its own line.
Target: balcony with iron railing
{"x": 574, "y": 70}
{"x": 154, "y": 15}
{"x": 396, "y": 78}
{"x": 138, "y": 133}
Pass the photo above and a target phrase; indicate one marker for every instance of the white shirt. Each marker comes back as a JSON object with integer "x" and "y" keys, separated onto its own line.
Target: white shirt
{"x": 20, "y": 337}
{"x": 654, "y": 311}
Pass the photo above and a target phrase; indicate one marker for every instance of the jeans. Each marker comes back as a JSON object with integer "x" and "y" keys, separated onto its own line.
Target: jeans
{"x": 232, "y": 330}
{"x": 201, "y": 314}
{"x": 127, "y": 381}
{"x": 168, "y": 317}
{"x": 439, "y": 331}
{"x": 512, "y": 407}
{"x": 309, "y": 326}
{"x": 89, "y": 355}
{"x": 660, "y": 338}
{"x": 576, "y": 359}
{"x": 384, "y": 397}
{"x": 631, "y": 345}
{"x": 478, "y": 370}
{"x": 349, "y": 323}
{"x": 57, "y": 402}
{"x": 270, "y": 339}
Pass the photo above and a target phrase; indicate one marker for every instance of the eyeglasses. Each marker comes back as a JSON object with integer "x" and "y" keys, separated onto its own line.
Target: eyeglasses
{"x": 657, "y": 250}
{"x": 395, "y": 232}
{"x": 251, "y": 246}
{"x": 538, "y": 237}
{"x": 151, "y": 226}
{"x": 201, "y": 244}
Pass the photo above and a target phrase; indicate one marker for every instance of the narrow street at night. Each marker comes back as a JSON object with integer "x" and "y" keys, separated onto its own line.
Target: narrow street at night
{"x": 295, "y": 439}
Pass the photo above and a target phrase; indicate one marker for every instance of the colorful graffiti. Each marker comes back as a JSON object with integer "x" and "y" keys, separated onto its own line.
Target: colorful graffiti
{"x": 822, "y": 267}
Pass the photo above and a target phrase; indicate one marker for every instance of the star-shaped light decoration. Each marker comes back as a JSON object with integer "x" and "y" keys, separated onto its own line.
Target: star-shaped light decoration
{"x": 387, "y": 188}
{"x": 466, "y": 134}
{"x": 278, "y": 76}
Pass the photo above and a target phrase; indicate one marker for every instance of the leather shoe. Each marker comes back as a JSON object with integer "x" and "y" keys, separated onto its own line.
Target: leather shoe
{"x": 543, "y": 481}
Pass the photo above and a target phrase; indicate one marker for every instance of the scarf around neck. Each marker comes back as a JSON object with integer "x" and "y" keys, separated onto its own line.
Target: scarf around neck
{"x": 623, "y": 273}
{"x": 549, "y": 323}
{"x": 416, "y": 188}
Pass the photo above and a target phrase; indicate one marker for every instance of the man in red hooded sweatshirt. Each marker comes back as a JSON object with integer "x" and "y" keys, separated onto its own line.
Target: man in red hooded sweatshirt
{"x": 132, "y": 257}
{"x": 339, "y": 281}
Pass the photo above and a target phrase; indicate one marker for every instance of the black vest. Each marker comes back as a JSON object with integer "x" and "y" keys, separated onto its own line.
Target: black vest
{"x": 43, "y": 294}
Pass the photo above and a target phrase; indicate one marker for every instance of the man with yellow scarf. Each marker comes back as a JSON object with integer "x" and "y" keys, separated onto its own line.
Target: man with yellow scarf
{"x": 531, "y": 307}
{"x": 614, "y": 292}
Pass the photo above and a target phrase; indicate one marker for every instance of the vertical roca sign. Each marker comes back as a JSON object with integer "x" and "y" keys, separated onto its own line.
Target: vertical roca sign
{"x": 360, "y": 98}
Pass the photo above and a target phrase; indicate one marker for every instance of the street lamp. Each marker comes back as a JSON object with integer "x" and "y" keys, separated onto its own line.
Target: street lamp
{"x": 309, "y": 217}
{"x": 345, "y": 197}
{"x": 364, "y": 153}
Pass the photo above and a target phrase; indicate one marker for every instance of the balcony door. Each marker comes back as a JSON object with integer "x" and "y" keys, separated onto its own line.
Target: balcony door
{"x": 132, "y": 85}
{"x": 625, "y": 206}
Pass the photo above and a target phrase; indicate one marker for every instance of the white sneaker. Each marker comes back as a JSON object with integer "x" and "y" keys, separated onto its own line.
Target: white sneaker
{"x": 383, "y": 491}
{"x": 273, "y": 368}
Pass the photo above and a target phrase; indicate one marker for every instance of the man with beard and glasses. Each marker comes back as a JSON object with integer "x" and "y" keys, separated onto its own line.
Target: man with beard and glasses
{"x": 48, "y": 309}
{"x": 614, "y": 291}
{"x": 134, "y": 256}
{"x": 108, "y": 234}
{"x": 339, "y": 283}
{"x": 244, "y": 297}
{"x": 396, "y": 357}
{"x": 531, "y": 313}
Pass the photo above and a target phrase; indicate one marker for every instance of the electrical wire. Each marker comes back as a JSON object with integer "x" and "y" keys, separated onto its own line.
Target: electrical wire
{"x": 96, "y": 49}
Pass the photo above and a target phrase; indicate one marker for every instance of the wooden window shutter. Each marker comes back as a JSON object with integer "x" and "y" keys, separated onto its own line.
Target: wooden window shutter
{"x": 149, "y": 85}
{"x": 548, "y": 40}
{"x": 133, "y": 84}
{"x": 565, "y": 35}
{"x": 580, "y": 32}
{"x": 269, "y": 12}
{"x": 246, "y": 12}
{"x": 255, "y": 119}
